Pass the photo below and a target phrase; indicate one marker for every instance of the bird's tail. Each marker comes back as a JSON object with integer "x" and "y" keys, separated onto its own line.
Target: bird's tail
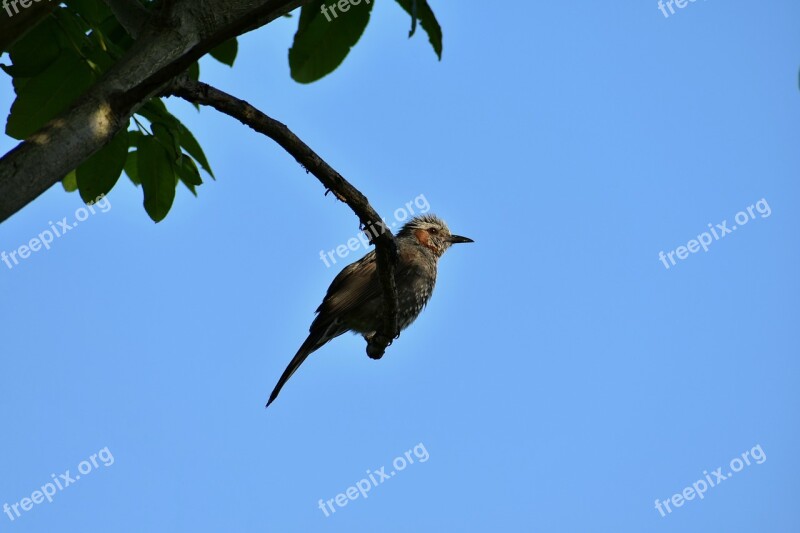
{"x": 312, "y": 343}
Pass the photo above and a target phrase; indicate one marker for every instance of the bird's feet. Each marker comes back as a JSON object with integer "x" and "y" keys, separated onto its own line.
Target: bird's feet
{"x": 376, "y": 345}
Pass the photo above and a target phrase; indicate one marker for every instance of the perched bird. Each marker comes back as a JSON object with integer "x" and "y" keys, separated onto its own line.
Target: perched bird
{"x": 355, "y": 298}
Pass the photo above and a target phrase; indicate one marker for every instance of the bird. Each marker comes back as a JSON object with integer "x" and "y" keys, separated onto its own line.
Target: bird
{"x": 355, "y": 297}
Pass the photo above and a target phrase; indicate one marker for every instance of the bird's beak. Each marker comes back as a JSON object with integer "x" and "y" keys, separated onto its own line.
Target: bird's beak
{"x": 455, "y": 239}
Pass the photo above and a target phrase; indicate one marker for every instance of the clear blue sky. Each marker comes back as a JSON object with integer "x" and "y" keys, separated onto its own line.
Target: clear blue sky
{"x": 561, "y": 379}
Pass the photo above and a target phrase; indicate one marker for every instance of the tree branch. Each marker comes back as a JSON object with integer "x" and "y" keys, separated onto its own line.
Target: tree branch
{"x": 385, "y": 247}
{"x": 130, "y": 14}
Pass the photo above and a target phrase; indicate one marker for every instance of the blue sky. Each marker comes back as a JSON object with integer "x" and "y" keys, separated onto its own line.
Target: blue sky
{"x": 561, "y": 379}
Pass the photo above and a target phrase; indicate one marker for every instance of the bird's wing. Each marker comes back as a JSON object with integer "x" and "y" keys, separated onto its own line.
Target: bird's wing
{"x": 355, "y": 285}
{"x": 358, "y": 283}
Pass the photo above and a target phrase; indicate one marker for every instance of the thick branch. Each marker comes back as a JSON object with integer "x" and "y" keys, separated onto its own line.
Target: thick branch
{"x": 130, "y": 14}
{"x": 385, "y": 247}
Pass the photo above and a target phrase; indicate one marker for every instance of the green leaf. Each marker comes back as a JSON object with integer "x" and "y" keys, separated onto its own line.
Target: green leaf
{"x": 70, "y": 182}
{"x": 73, "y": 31}
{"x": 169, "y": 137}
{"x": 111, "y": 29}
{"x": 414, "y": 18}
{"x": 226, "y": 52}
{"x": 194, "y": 71}
{"x": 48, "y": 94}
{"x": 428, "y": 21}
{"x": 189, "y": 175}
{"x": 324, "y": 38}
{"x": 92, "y": 11}
{"x": 157, "y": 177}
{"x": 98, "y": 174}
{"x": 193, "y": 148}
{"x": 156, "y": 112}
{"x": 19, "y": 83}
{"x": 133, "y": 138}
{"x": 132, "y": 168}
{"x": 32, "y": 54}
{"x": 99, "y": 60}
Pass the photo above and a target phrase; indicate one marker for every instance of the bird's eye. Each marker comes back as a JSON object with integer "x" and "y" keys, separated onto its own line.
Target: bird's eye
{"x": 433, "y": 231}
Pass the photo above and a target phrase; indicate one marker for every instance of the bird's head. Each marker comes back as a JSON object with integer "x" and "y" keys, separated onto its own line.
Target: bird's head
{"x": 431, "y": 232}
